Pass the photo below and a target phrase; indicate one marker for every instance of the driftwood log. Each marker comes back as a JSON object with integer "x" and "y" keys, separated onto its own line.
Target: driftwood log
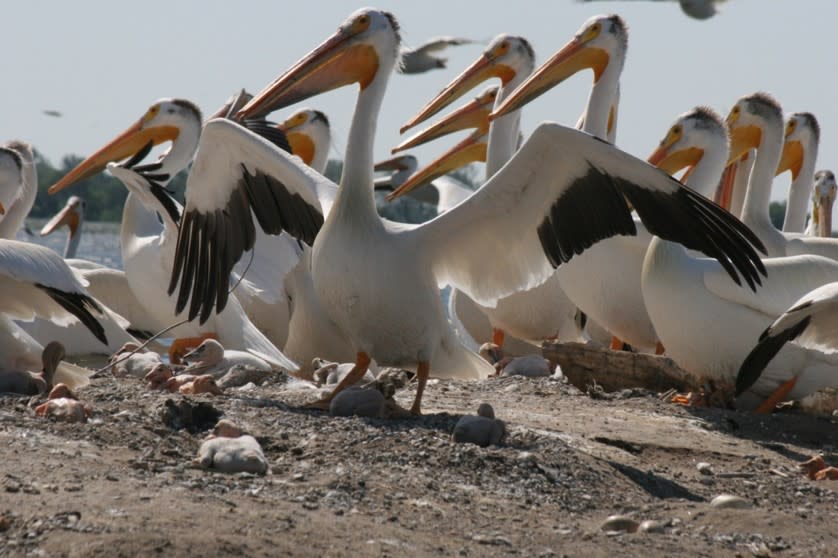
{"x": 585, "y": 366}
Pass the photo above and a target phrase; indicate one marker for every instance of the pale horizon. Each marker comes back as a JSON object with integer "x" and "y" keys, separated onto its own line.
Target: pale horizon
{"x": 102, "y": 64}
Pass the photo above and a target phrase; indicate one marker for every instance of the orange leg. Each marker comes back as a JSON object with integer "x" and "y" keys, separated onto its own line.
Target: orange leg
{"x": 362, "y": 363}
{"x": 183, "y": 345}
{"x": 779, "y": 395}
{"x": 616, "y": 344}
{"x": 498, "y": 336}
{"x": 659, "y": 349}
{"x": 422, "y": 373}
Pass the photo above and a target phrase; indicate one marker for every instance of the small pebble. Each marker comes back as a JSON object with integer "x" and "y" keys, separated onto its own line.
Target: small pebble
{"x": 704, "y": 468}
{"x": 652, "y": 526}
{"x": 729, "y": 501}
{"x": 620, "y": 524}
{"x": 356, "y": 401}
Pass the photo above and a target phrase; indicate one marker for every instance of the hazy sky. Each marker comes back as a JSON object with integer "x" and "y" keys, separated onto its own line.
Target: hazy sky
{"x": 102, "y": 63}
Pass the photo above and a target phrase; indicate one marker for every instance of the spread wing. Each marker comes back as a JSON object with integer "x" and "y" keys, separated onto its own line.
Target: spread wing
{"x": 563, "y": 191}
{"x": 237, "y": 177}
{"x": 35, "y": 281}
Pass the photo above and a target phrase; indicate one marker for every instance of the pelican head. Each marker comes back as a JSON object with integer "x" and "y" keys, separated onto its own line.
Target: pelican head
{"x": 506, "y": 57}
{"x": 823, "y": 198}
{"x": 802, "y": 138}
{"x": 401, "y": 167}
{"x": 748, "y": 120}
{"x": 366, "y": 42}
{"x": 695, "y": 136}
{"x": 308, "y": 134}
{"x": 71, "y": 215}
{"x": 600, "y": 45}
{"x": 166, "y": 120}
{"x": 474, "y": 114}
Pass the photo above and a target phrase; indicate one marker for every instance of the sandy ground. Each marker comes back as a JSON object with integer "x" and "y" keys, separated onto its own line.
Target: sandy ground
{"x": 122, "y": 484}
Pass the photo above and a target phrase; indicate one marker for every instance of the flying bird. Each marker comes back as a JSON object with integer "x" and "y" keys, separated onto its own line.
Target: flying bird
{"x": 421, "y": 59}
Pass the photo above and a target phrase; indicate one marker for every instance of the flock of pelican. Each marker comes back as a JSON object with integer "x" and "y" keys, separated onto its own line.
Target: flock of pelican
{"x": 568, "y": 238}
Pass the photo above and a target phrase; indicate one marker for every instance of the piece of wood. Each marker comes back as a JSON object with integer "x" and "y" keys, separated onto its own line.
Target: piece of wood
{"x": 584, "y": 366}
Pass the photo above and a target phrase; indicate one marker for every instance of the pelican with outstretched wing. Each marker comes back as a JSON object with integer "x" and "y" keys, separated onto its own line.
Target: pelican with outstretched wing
{"x": 563, "y": 191}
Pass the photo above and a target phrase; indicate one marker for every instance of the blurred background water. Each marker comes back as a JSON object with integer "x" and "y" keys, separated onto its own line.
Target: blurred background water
{"x": 99, "y": 241}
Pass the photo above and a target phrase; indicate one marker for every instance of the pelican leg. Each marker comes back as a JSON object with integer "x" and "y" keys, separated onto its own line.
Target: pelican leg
{"x": 498, "y": 336}
{"x": 779, "y": 395}
{"x": 183, "y": 345}
{"x": 616, "y": 344}
{"x": 362, "y": 363}
{"x": 422, "y": 373}
{"x": 659, "y": 348}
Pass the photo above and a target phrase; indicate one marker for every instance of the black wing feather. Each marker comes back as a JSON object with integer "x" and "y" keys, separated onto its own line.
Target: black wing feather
{"x": 764, "y": 352}
{"x": 80, "y": 306}
{"x": 210, "y": 244}
{"x": 574, "y": 223}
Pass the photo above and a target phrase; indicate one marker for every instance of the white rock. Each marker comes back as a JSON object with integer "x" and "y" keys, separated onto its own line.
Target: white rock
{"x": 233, "y": 455}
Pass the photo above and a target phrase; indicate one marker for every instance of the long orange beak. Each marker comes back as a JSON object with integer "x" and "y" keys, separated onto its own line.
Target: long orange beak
{"x": 792, "y": 158}
{"x": 67, "y": 216}
{"x": 574, "y": 57}
{"x": 472, "y": 149}
{"x": 335, "y": 63}
{"x": 743, "y": 139}
{"x": 126, "y": 145}
{"x": 474, "y": 114}
{"x": 482, "y": 69}
{"x": 676, "y": 160}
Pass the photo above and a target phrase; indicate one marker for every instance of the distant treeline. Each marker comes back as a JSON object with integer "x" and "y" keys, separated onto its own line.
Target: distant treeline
{"x": 105, "y": 195}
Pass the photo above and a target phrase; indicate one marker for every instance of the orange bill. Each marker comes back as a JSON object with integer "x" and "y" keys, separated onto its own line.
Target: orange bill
{"x": 472, "y": 149}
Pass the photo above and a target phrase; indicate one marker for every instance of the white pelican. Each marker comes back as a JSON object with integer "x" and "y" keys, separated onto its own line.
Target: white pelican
{"x": 823, "y": 197}
{"x": 378, "y": 280}
{"x": 800, "y": 151}
{"x": 545, "y": 311}
{"x": 18, "y": 197}
{"x": 17, "y": 174}
{"x": 421, "y": 59}
{"x": 604, "y": 282}
{"x": 812, "y": 322}
{"x": 35, "y": 281}
{"x": 707, "y": 323}
{"x": 71, "y": 215}
{"x": 756, "y": 122}
{"x": 148, "y": 247}
{"x": 309, "y": 136}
